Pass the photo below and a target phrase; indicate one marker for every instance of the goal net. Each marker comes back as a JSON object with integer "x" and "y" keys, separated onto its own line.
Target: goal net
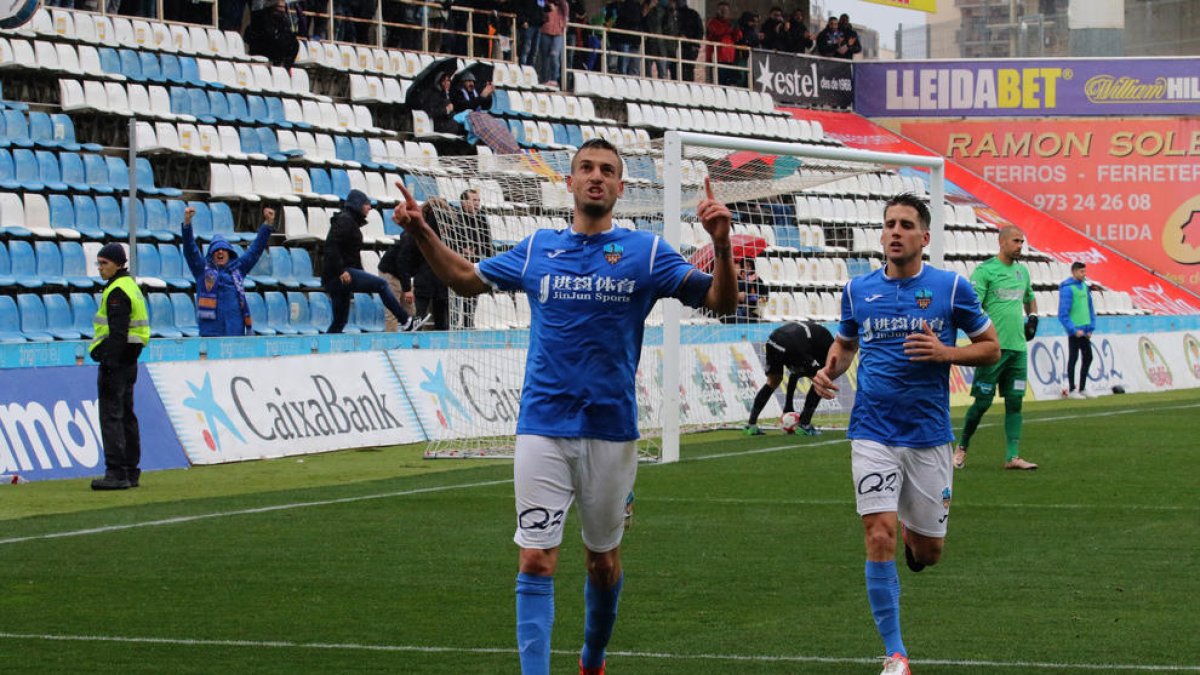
{"x": 799, "y": 213}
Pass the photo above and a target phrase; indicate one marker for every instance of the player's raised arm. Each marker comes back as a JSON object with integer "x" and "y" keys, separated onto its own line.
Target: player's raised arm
{"x": 454, "y": 270}
{"x": 717, "y": 221}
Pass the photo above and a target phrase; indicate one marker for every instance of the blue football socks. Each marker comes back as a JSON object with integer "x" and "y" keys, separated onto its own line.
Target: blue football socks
{"x": 535, "y": 621}
{"x": 883, "y": 592}
{"x": 599, "y": 616}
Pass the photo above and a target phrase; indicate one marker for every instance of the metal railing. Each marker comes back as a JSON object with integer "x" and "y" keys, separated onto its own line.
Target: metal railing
{"x": 653, "y": 56}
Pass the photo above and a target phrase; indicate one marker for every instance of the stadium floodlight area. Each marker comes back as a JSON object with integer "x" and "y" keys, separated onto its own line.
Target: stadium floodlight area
{"x": 697, "y": 371}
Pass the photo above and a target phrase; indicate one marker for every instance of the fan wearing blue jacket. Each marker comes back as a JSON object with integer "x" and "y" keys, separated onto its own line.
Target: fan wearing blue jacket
{"x": 221, "y": 308}
{"x": 1077, "y": 313}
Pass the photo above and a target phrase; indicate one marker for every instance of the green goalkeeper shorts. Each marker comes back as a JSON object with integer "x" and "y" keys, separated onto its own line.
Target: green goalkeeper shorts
{"x": 1008, "y": 375}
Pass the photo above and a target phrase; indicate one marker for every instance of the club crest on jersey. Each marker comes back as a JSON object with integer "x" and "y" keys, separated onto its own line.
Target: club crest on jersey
{"x": 613, "y": 253}
{"x": 210, "y": 279}
{"x": 924, "y": 298}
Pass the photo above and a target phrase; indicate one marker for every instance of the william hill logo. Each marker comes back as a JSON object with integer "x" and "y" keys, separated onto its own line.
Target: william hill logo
{"x": 318, "y": 410}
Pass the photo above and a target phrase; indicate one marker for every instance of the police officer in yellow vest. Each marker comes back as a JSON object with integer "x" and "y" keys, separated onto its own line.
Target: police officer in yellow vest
{"x": 122, "y": 330}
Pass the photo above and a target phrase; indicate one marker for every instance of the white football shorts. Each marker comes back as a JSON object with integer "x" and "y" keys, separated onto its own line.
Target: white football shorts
{"x": 551, "y": 473}
{"x": 916, "y": 483}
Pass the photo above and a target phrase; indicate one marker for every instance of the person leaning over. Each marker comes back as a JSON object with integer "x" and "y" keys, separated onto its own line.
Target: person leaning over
{"x": 122, "y": 326}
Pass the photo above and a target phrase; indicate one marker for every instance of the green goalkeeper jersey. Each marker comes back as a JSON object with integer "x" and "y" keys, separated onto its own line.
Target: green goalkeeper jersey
{"x": 1003, "y": 291}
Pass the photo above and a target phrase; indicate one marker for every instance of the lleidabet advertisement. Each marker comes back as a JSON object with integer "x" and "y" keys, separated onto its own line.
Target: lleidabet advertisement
{"x": 241, "y": 409}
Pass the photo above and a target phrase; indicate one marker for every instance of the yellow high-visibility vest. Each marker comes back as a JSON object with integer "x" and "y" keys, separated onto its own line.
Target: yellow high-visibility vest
{"x": 139, "y": 317}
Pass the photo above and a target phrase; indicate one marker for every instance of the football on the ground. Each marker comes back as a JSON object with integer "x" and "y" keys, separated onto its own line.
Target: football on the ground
{"x": 789, "y": 421}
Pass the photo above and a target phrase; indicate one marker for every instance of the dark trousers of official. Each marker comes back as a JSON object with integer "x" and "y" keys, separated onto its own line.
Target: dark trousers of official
{"x": 360, "y": 282}
{"x": 118, "y": 424}
{"x": 1075, "y": 346}
{"x": 438, "y": 308}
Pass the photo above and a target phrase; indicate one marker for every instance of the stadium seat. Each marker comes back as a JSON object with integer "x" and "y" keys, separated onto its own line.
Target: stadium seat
{"x": 202, "y": 223}
{"x": 222, "y": 223}
{"x": 281, "y": 269}
{"x": 72, "y": 172}
{"x": 162, "y": 316}
{"x": 278, "y": 313}
{"x": 86, "y": 215}
{"x": 59, "y": 320}
{"x": 258, "y": 314}
{"x": 23, "y": 264}
{"x": 157, "y": 224}
{"x": 300, "y": 314}
{"x": 262, "y": 273}
{"x": 302, "y": 269}
{"x": 10, "y": 322}
{"x": 185, "y": 314}
{"x": 173, "y": 271}
{"x": 33, "y": 318}
{"x": 49, "y": 263}
{"x": 96, "y": 171}
{"x": 149, "y": 267}
{"x": 83, "y": 309}
{"x": 320, "y": 311}
{"x": 74, "y": 265}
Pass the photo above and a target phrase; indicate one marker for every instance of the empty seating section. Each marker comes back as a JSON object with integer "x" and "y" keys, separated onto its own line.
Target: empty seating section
{"x": 227, "y": 134}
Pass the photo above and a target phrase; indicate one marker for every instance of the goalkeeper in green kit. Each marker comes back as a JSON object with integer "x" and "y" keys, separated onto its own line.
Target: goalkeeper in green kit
{"x": 1006, "y": 293}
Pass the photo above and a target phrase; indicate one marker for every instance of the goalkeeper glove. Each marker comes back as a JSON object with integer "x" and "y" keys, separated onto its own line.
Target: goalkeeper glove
{"x": 1031, "y": 324}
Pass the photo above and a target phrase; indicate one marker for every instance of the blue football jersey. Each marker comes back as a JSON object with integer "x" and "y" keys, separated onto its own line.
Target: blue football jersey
{"x": 588, "y": 300}
{"x": 900, "y": 401}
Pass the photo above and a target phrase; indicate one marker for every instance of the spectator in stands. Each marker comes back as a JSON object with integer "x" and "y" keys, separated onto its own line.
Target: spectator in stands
{"x": 582, "y": 43}
{"x": 421, "y": 286}
{"x": 628, "y": 18}
{"x": 270, "y": 34}
{"x": 389, "y": 272}
{"x": 1077, "y": 313}
{"x": 751, "y": 37}
{"x": 691, "y": 26}
{"x": 829, "y": 39}
{"x": 466, "y": 98}
{"x": 530, "y": 17}
{"x": 221, "y": 308}
{"x": 849, "y": 44}
{"x": 149, "y": 9}
{"x": 354, "y": 20}
{"x": 551, "y": 41}
{"x": 798, "y": 39}
{"x": 801, "y": 347}
{"x": 473, "y": 237}
{"x": 751, "y": 293}
{"x": 122, "y": 327}
{"x": 342, "y": 272}
{"x": 438, "y": 104}
{"x": 577, "y": 425}
{"x": 774, "y": 30}
{"x": 722, "y": 31}
{"x": 670, "y": 48}
{"x": 652, "y": 18}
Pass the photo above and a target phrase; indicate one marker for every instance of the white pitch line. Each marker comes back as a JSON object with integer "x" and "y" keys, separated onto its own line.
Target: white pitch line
{"x": 402, "y": 493}
{"x": 736, "y": 658}
{"x": 243, "y": 512}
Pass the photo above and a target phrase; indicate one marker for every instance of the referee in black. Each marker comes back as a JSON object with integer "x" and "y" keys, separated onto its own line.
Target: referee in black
{"x": 801, "y": 347}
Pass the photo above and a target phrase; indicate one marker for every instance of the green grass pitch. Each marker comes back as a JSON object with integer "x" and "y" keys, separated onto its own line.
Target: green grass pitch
{"x": 745, "y": 558}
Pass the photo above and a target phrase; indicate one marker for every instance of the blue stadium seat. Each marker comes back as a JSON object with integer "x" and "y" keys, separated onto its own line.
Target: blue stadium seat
{"x": 175, "y": 209}
{"x": 142, "y": 232}
{"x": 352, "y": 319}
{"x": 64, "y": 131}
{"x": 118, "y": 173}
{"x": 576, "y": 134}
{"x": 190, "y": 71}
{"x": 110, "y": 61}
{"x": 8, "y": 175}
{"x": 320, "y": 311}
{"x": 368, "y": 312}
{"x": 218, "y": 106}
{"x": 181, "y": 101}
{"x": 343, "y": 148}
{"x": 49, "y": 172}
{"x": 301, "y": 315}
{"x": 59, "y": 321}
{"x": 500, "y": 103}
{"x": 61, "y": 212}
{"x": 185, "y": 314}
{"x": 108, "y": 217}
{"x": 74, "y": 265}
{"x": 171, "y": 70}
{"x": 6, "y": 277}
{"x": 73, "y": 173}
{"x": 83, "y": 308}
{"x": 151, "y": 68}
{"x": 560, "y": 134}
{"x": 256, "y": 108}
{"x": 237, "y": 106}
{"x": 87, "y": 219}
{"x": 340, "y": 182}
{"x": 41, "y": 130}
{"x": 16, "y": 129}
{"x": 162, "y": 316}
{"x": 362, "y": 155}
{"x": 10, "y": 321}
{"x": 97, "y": 174}
{"x": 262, "y": 272}
{"x": 279, "y": 314}
{"x": 222, "y": 223}
{"x": 278, "y": 117}
{"x": 319, "y": 179}
{"x": 302, "y": 269}
{"x": 258, "y": 314}
{"x": 49, "y": 263}
{"x": 33, "y": 318}
{"x": 26, "y": 171}
{"x": 202, "y": 223}
{"x": 157, "y": 224}
{"x": 249, "y": 141}
{"x": 268, "y": 143}
{"x": 281, "y": 267}
{"x": 131, "y": 65}
{"x": 149, "y": 267}
{"x": 145, "y": 179}
{"x": 173, "y": 271}
{"x": 198, "y": 104}
{"x": 23, "y": 264}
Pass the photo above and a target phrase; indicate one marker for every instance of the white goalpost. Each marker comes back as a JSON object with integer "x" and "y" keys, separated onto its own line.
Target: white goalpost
{"x": 802, "y": 209}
